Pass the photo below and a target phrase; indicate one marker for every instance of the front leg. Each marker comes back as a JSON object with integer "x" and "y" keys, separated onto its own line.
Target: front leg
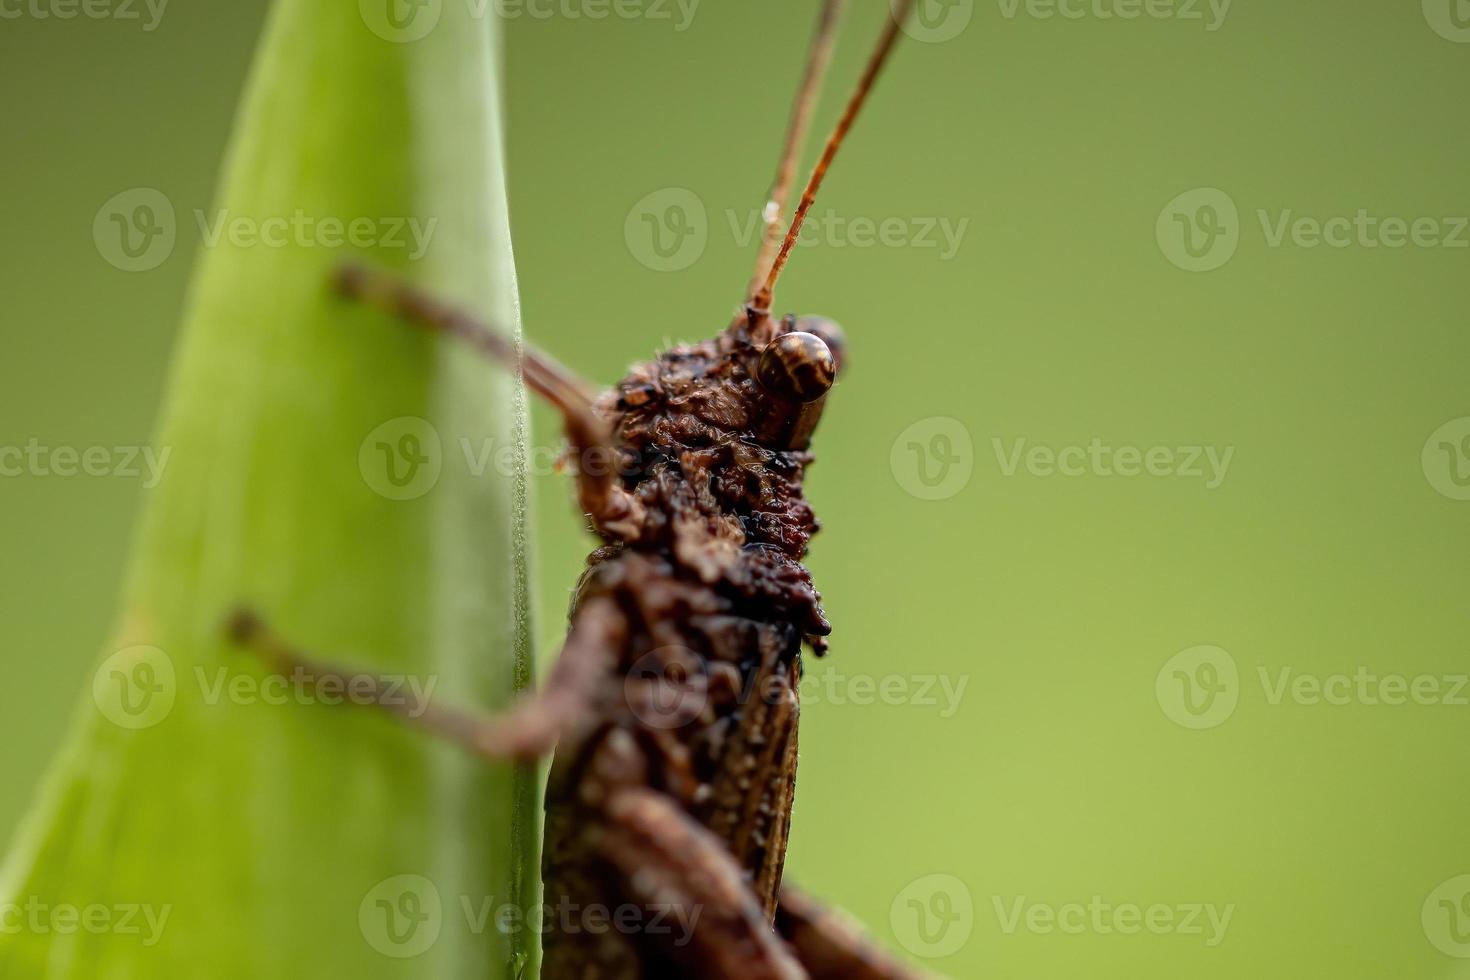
{"x": 613, "y": 510}
{"x": 830, "y": 945}
{"x": 665, "y": 858}
{"x": 528, "y": 730}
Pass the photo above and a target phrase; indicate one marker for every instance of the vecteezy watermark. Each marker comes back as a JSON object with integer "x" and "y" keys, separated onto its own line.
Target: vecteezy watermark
{"x": 1445, "y": 917}
{"x": 831, "y": 229}
{"x": 147, "y": 13}
{"x": 117, "y": 462}
{"x": 135, "y": 688}
{"x": 942, "y": 692}
{"x": 1362, "y": 229}
{"x": 136, "y": 230}
{"x": 401, "y": 21}
{"x": 1446, "y": 459}
{"x": 934, "y": 21}
{"x": 403, "y": 917}
{"x": 37, "y": 917}
{"x": 402, "y": 458}
{"x": 678, "y": 13}
{"x": 138, "y": 687}
{"x": 486, "y": 455}
{"x": 669, "y": 230}
{"x": 934, "y": 458}
{"x": 671, "y": 686}
{"x": 408, "y": 693}
{"x": 1200, "y": 687}
{"x": 1450, "y": 19}
{"x": 933, "y": 916}
{"x": 405, "y": 21}
{"x": 1097, "y": 916}
{"x": 1209, "y": 464}
{"x": 1201, "y": 229}
{"x": 1363, "y": 686}
{"x": 1210, "y": 13}
{"x": 302, "y": 230}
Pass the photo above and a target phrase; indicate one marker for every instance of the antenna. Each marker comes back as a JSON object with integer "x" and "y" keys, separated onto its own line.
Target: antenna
{"x": 901, "y": 8}
{"x": 819, "y": 57}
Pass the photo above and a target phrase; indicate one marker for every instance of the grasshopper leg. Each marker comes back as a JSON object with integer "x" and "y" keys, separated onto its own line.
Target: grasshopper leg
{"x": 830, "y": 945}
{"x": 599, "y": 491}
{"x": 529, "y": 729}
{"x": 665, "y": 857}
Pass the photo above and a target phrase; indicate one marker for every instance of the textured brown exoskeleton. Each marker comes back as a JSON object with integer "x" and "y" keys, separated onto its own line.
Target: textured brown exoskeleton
{"x": 673, "y": 707}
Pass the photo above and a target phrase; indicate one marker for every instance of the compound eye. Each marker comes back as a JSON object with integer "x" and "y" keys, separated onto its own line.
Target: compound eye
{"x": 829, "y": 331}
{"x": 797, "y": 365}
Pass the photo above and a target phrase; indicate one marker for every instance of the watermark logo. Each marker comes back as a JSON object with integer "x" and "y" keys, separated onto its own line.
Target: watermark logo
{"x": 944, "y": 692}
{"x": 1446, "y": 459}
{"x": 135, "y": 688}
{"x": 1198, "y": 688}
{"x": 1210, "y": 13}
{"x": 401, "y": 916}
{"x": 411, "y": 235}
{"x": 1450, "y": 19}
{"x": 832, "y": 229}
{"x": 401, "y": 21}
{"x": 149, "y": 13}
{"x": 680, "y": 13}
{"x": 933, "y": 916}
{"x": 405, "y": 21}
{"x": 40, "y": 461}
{"x": 39, "y": 918}
{"x": 1362, "y": 229}
{"x": 671, "y": 686}
{"x": 1446, "y": 917}
{"x": 934, "y": 458}
{"x": 1098, "y": 916}
{"x": 668, "y": 230}
{"x": 1363, "y": 687}
{"x": 1208, "y": 464}
{"x": 408, "y": 694}
{"x": 136, "y": 229}
{"x": 1199, "y": 230}
{"x": 402, "y": 458}
{"x": 935, "y": 21}
{"x": 667, "y": 688}
{"x": 406, "y": 915}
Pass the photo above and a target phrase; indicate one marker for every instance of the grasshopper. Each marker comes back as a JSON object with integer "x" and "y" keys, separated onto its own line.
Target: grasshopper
{"x": 672, "y": 709}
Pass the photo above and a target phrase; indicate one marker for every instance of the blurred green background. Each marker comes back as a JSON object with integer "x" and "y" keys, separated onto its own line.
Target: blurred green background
{"x": 1001, "y": 727}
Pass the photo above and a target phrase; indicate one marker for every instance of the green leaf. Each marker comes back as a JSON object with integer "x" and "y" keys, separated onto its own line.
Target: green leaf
{"x": 196, "y": 826}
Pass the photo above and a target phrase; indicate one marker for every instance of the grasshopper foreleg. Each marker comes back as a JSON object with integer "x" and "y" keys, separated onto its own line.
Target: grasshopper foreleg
{"x": 612, "y": 509}
{"x": 665, "y": 857}
{"x": 830, "y": 945}
{"x": 529, "y": 729}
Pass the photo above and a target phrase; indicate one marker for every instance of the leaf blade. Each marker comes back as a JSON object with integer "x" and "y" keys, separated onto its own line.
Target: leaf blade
{"x": 264, "y": 828}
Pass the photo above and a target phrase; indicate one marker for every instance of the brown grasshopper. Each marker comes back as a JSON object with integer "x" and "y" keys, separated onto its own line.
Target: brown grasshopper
{"x": 673, "y": 707}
